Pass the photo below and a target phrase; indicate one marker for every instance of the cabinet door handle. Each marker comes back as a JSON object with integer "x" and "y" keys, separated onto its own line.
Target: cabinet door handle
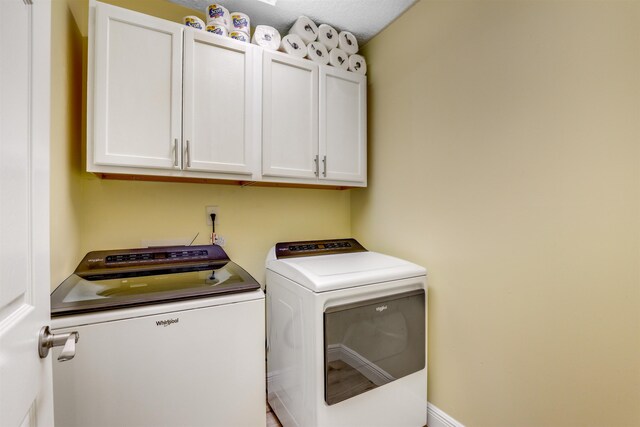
{"x": 175, "y": 152}
{"x": 317, "y": 166}
{"x": 324, "y": 166}
{"x": 187, "y": 154}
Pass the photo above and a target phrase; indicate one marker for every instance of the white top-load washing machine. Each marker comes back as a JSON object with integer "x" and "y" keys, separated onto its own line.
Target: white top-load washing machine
{"x": 170, "y": 336}
{"x": 346, "y": 336}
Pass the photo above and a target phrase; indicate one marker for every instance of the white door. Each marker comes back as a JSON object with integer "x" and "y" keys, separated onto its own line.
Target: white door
{"x": 138, "y": 90}
{"x": 218, "y": 106}
{"x": 289, "y": 117}
{"x": 343, "y": 125}
{"x": 25, "y": 379}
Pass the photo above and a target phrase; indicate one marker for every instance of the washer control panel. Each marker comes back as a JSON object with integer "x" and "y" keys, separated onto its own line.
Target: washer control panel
{"x": 120, "y": 260}
{"x": 317, "y": 247}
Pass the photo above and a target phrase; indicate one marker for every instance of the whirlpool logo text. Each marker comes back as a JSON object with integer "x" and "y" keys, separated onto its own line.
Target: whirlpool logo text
{"x": 167, "y": 322}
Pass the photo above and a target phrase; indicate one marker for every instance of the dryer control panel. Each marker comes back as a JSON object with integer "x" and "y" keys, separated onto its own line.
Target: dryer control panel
{"x": 317, "y": 247}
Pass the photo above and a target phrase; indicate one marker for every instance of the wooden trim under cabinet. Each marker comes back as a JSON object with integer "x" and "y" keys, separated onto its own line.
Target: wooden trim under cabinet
{"x": 150, "y": 178}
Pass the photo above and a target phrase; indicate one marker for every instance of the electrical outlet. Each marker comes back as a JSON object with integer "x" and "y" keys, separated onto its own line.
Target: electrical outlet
{"x": 213, "y": 209}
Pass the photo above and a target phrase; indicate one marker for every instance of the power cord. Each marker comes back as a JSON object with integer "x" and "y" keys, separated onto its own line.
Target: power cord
{"x": 213, "y": 228}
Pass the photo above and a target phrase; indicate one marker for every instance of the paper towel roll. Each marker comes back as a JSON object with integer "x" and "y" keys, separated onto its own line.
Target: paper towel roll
{"x": 218, "y": 14}
{"x": 240, "y": 22}
{"x": 328, "y": 36}
{"x": 293, "y": 45}
{"x": 239, "y": 35}
{"x": 338, "y": 58}
{"x": 193, "y": 22}
{"x": 348, "y": 42}
{"x": 267, "y": 37}
{"x": 305, "y": 28}
{"x": 357, "y": 64}
{"x": 218, "y": 29}
{"x": 318, "y": 53}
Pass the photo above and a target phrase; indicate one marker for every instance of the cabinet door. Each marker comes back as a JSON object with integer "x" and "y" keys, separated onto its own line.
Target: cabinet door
{"x": 138, "y": 89}
{"x": 343, "y": 125}
{"x": 289, "y": 116}
{"x": 218, "y": 103}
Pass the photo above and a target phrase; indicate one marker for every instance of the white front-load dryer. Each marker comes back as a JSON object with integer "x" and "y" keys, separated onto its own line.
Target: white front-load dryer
{"x": 346, "y": 336}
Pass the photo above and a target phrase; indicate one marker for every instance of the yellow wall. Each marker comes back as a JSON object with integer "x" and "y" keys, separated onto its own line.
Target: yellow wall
{"x": 121, "y": 214}
{"x": 66, "y": 113}
{"x": 505, "y": 157}
{"x": 91, "y": 214}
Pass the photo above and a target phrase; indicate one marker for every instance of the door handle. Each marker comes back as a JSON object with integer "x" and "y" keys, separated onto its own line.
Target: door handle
{"x": 175, "y": 152}
{"x": 317, "y": 166}
{"x": 48, "y": 340}
{"x": 187, "y": 154}
{"x": 324, "y": 166}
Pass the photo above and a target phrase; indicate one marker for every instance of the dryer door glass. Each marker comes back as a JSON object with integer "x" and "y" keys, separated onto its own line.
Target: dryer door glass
{"x": 370, "y": 343}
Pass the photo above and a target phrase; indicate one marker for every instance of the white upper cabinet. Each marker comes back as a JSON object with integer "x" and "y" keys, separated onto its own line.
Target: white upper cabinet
{"x": 165, "y": 100}
{"x": 343, "y": 126}
{"x": 170, "y": 100}
{"x": 218, "y": 118}
{"x": 289, "y": 116}
{"x": 138, "y": 89}
{"x": 314, "y": 121}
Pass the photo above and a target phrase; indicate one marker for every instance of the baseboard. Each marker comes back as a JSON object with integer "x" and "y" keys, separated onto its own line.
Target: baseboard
{"x": 436, "y": 417}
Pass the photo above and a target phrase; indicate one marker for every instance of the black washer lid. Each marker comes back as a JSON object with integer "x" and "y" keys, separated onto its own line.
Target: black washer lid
{"x": 107, "y": 280}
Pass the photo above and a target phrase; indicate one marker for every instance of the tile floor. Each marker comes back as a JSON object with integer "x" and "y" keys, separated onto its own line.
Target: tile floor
{"x": 272, "y": 420}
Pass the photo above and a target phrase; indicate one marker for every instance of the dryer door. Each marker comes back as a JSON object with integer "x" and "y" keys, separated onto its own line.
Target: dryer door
{"x": 370, "y": 343}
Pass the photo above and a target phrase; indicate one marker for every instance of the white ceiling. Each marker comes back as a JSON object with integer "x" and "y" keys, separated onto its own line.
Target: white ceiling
{"x": 363, "y": 18}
